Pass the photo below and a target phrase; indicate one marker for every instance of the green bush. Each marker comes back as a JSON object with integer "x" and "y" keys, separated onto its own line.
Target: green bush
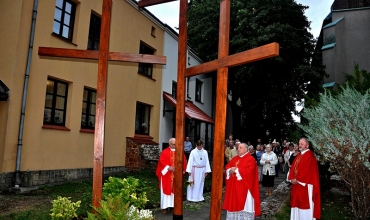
{"x": 63, "y": 208}
{"x": 130, "y": 190}
{"x": 339, "y": 131}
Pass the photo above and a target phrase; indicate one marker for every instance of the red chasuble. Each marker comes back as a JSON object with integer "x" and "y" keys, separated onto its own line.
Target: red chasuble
{"x": 167, "y": 158}
{"x": 237, "y": 190}
{"x": 305, "y": 170}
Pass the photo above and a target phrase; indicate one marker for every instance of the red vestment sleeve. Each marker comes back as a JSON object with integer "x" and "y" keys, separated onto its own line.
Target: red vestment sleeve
{"x": 167, "y": 158}
{"x": 237, "y": 190}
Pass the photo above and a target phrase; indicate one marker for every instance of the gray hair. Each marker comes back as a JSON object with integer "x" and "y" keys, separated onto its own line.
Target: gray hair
{"x": 245, "y": 145}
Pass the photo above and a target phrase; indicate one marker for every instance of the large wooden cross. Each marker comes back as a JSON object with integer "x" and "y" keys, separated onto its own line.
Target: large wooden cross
{"x": 222, "y": 64}
{"x": 103, "y": 56}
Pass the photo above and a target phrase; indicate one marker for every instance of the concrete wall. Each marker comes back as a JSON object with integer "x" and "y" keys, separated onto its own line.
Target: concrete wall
{"x": 352, "y": 36}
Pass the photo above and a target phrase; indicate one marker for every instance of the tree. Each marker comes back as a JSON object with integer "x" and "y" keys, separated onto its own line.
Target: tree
{"x": 359, "y": 80}
{"x": 268, "y": 89}
{"x": 338, "y": 128}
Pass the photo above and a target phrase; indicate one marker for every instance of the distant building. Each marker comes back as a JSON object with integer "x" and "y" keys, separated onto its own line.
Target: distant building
{"x": 199, "y": 95}
{"x": 344, "y": 39}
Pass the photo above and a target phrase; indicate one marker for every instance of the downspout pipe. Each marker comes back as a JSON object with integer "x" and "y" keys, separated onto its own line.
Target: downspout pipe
{"x": 24, "y": 96}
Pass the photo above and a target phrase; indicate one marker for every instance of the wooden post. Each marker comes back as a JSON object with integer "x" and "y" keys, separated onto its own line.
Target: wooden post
{"x": 180, "y": 111}
{"x": 220, "y": 120}
{"x": 100, "y": 104}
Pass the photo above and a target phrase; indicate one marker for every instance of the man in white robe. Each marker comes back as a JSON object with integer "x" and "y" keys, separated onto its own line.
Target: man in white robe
{"x": 198, "y": 168}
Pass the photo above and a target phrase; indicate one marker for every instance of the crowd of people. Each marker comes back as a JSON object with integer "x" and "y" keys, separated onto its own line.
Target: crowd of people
{"x": 247, "y": 168}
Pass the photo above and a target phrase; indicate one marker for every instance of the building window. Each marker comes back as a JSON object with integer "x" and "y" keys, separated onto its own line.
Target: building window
{"x": 153, "y": 31}
{"x": 64, "y": 16}
{"x": 94, "y": 32}
{"x": 88, "y": 109}
{"x": 146, "y": 68}
{"x": 198, "y": 90}
{"x": 174, "y": 89}
{"x": 142, "y": 123}
{"x": 55, "y": 102}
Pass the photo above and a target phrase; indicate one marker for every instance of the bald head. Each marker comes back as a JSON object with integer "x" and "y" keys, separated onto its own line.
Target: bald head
{"x": 172, "y": 143}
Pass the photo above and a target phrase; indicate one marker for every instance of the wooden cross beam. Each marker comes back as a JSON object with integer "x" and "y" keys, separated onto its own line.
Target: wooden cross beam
{"x": 222, "y": 64}
{"x": 103, "y": 56}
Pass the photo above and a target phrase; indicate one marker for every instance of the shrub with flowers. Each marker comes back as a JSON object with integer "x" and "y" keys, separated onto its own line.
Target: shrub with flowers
{"x": 115, "y": 209}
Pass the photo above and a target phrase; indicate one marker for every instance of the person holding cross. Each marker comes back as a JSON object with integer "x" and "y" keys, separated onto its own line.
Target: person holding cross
{"x": 242, "y": 195}
{"x": 166, "y": 175}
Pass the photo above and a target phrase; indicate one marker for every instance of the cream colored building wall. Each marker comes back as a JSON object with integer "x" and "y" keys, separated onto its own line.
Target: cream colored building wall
{"x": 48, "y": 149}
{"x": 15, "y": 29}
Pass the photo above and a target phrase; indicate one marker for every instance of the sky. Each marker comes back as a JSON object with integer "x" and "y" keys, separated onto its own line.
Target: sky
{"x": 168, "y": 13}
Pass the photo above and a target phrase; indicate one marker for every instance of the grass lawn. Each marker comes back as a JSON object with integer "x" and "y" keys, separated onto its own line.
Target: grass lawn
{"x": 333, "y": 207}
{"x": 37, "y": 204}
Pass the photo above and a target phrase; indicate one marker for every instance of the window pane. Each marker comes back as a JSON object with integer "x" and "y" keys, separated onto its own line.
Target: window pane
{"x": 142, "y": 119}
{"x": 83, "y": 120}
{"x": 68, "y": 7}
{"x": 65, "y": 31}
{"x": 92, "y": 109}
{"x": 93, "y": 97}
{"x": 59, "y": 3}
{"x": 49, "y": 101}
{"x": 59, "y": 118}
{"x": 60, "y": 103}
{"x": 47, "y": 115}
{"x": 61, "y": 89}
{"x": 96, "y": 45}
{"x": 67, "y": 19}
{"x": 58, "y": 14}
{"x": 146, "y": 120}
{"x": 84, "y": 107}
{"x": 50, "y": 86}
{"x": 91, "y": 122}
{"x": 56, "y": 27}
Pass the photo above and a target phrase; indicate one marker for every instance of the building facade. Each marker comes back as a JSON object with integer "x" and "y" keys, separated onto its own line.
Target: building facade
{"x": 200, "y": 99}
{"x": 48, "y": 120}
{"x": 344, "y": 40}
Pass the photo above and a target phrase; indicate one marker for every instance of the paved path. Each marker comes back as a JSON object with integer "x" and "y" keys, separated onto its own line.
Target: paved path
{"x": 204, "y": 211}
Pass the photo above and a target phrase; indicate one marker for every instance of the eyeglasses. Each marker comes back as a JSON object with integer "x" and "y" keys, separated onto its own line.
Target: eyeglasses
{"x": 172, "y": 144}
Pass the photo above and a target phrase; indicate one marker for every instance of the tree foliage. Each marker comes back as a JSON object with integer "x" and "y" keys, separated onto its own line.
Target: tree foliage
{"x": 268, "y": 89}
{"x": 338, "y": 128}
{"x": 359, "y": 80}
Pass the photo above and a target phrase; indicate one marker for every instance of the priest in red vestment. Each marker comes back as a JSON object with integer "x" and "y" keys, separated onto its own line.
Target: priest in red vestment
{"x": 242, "y": 196}
{"x": 165, "y": 173}
{"x": 305, "y": 193}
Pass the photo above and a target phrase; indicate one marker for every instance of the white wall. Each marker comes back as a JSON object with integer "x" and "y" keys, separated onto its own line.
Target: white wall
{"x": 170, "y": 75}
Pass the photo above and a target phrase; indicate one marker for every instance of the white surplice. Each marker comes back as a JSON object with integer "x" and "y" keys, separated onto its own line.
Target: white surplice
{"x": 198, "y": 165}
